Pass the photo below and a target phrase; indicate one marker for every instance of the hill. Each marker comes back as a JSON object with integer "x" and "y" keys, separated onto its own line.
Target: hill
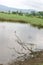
{"x": 5, "y": 8}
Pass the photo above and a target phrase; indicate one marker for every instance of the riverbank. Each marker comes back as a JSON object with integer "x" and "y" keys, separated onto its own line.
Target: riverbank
{"x": 38, "y": 60}
{"x": 33, "y": 20}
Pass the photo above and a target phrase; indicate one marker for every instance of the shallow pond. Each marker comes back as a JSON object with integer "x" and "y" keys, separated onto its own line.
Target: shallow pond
{"x": 25, "y": 32}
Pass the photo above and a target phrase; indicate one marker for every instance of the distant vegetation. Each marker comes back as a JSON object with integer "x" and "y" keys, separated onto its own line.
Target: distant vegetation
{"x": 32, "y": 13}
{"x": 34, "y": 18}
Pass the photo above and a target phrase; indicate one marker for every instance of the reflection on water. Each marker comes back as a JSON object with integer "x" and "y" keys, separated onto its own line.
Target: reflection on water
{"x": 26, "y": 33}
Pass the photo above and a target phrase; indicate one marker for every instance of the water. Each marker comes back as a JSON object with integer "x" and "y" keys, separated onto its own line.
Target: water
{"x": 8, "y": 43}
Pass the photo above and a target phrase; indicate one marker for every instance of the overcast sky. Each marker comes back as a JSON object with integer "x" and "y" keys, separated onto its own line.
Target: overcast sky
{"x": 24, "y": 4}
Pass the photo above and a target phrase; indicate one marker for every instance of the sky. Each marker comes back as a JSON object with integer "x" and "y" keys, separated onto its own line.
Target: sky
{"x": 24, "y": 4}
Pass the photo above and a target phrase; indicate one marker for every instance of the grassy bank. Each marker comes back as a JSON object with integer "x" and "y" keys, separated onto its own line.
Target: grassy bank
{"x": 22, "y": 19}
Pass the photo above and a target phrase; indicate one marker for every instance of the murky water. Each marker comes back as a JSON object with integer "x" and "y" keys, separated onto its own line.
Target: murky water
{"x": 25, "y": 32}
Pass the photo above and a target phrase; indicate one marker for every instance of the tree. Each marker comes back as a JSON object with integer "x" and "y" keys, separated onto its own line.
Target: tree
{"x": 33, "y": 13}
{"x": 13, "y": 12}
{"x": 41, "y": 13}
{"x": 9, "y": 11}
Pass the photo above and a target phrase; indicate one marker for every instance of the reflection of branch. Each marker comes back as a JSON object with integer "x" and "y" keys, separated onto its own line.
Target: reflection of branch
{"x": 17, "y": 37}
{"x": 20, "y": 43}
{"x": 18, "y": 52}
{"x": 25, "y": 46}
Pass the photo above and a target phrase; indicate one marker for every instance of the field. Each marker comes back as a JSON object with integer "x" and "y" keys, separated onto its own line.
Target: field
{"x": 35, "y": 21}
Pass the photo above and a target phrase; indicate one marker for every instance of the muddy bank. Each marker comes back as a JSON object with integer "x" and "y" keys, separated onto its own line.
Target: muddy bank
{"x": 38, "y": 60}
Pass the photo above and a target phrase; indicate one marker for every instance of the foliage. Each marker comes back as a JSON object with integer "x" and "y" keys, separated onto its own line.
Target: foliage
{"x": 36, "y": 20}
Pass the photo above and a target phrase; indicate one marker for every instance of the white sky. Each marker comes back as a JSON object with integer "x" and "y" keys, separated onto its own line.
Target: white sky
{"x": 24, "y": 4}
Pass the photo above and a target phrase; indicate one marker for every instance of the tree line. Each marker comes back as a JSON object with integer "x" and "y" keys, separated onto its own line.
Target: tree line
{"x": 38, "y": 14}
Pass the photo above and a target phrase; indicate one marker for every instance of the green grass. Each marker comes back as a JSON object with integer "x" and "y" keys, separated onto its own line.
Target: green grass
{"x": 22, "y": 19}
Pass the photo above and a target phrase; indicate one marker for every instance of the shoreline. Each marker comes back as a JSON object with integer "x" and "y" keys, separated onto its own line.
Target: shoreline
{"x": 21, "y": 21}
{"x": 32, "y": 20}
{"x": 37, "y": 60}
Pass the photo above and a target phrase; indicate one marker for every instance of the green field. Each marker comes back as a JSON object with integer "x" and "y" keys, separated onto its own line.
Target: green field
{"x": 35, "y": 21}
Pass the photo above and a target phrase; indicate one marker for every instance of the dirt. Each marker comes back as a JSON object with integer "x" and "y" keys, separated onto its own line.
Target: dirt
{"x": 38, "y": 60}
